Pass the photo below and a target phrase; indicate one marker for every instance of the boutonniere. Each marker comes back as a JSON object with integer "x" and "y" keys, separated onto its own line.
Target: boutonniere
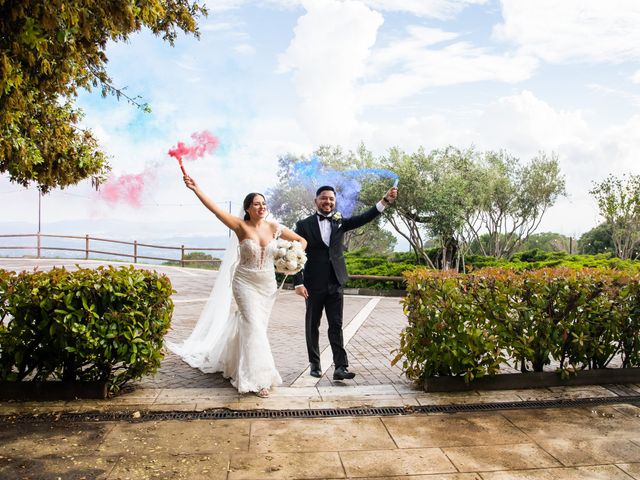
{"x": 337, "y": 217}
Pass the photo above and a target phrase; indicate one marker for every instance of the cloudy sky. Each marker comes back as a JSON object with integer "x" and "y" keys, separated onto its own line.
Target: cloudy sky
{"x": 269, "y": 77}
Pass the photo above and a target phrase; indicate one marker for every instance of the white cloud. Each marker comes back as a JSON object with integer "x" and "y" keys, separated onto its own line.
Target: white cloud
{"x": 629, "y": 97}
{"x": 573, "y": 30}
{"x": 244, "y": 49}
{"x": 417, "y": 65}
{"x": 440, "y": 9}
{"x": 327, "y": 55}
{"x": 527, "y": 124}
{"x": 635, "y": 78}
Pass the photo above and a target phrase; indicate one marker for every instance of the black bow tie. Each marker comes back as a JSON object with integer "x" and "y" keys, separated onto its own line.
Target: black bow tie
{"x": 322, "y": 217}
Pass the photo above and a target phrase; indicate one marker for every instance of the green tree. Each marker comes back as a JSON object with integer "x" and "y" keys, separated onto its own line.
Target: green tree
{"x": 407, "y": 217}
{"x": 597, "y": 240}
{"x": 463, "y": 198}
{"x": 549, "y": 242}
{"x": 49, "y": 50}
{"x": 507, "y": 200}
{"x": 619, "y": 204}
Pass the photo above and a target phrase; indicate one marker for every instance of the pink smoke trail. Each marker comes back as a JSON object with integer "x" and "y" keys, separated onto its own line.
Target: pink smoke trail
{"x": 204, "y": 142}
{"x": 126, "y": 188}
{"x": 129, "y": 188}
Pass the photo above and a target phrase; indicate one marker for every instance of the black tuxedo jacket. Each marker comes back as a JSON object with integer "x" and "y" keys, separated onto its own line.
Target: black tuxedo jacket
{"x": 323, "y": 261}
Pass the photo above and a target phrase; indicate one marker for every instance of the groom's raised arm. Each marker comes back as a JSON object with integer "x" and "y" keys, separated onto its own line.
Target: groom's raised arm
{"x": 370, "y": 214}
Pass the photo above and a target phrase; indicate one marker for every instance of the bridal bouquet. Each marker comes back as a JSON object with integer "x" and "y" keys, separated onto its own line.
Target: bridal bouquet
{"x": 289, "y": 258}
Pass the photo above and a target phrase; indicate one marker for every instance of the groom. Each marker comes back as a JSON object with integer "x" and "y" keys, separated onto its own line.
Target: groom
{"x": 325, "y": 273}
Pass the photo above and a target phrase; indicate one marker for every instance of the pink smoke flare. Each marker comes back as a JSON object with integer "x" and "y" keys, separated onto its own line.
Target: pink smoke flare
{"x": 204, "y": 142}
{"x": 126, "y": 188}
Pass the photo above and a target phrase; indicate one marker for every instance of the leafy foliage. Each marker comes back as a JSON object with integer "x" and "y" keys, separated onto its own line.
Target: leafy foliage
{"x": 597, "y": 240}
{"x": 550, "y": 242}
{"x": 105, "y": 324}
{"x": 362, "y": 262}
{"x": 469, "y": 324}
{"x": 619, "y": 203}
{"x": 49, "y": 49}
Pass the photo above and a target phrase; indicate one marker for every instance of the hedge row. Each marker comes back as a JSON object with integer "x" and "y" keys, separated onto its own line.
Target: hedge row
{"x": 472, "y": 324}
{"x": 104, "y": 324}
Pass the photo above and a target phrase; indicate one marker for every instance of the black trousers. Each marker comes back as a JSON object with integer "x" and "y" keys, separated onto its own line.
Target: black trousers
{"x": 331, "y": 301}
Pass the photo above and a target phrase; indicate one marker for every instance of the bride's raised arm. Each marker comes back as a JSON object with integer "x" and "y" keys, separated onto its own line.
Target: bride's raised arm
{"x": 225, "y": 217}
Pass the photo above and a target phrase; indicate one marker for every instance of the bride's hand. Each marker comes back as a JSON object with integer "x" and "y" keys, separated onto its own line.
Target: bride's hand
{"x": 190, "y": 183}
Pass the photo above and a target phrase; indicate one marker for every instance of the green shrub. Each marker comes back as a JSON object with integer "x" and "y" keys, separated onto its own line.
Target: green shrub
{"x": 537, "y": 259}
{"x": 104, "y": 324}
{"x": 469, "y": 324}
{"x": 379, "y": 265}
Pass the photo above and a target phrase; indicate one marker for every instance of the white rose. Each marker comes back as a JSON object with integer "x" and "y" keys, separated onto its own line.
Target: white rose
{"x": 281, "y": 252}
{"x": 291, "y": 265}
{"x": 291, "y": 256}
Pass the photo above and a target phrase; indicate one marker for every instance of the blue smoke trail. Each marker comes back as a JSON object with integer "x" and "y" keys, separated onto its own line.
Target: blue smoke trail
{"x": 346, "y": 182}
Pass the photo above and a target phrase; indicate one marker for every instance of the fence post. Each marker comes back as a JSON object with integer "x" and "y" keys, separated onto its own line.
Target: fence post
{"x": 86, "y": 247}
{"x": 182, "y": 256}
{"x": 135, "y": 251}
{"x": 38, "y": 236}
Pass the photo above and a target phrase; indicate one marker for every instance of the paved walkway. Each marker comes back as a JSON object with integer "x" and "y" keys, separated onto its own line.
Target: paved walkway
{"x": 552, "y": 443}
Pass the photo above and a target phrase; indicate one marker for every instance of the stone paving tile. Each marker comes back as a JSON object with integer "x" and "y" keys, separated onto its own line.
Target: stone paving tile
{"x": 442, "y": 430}
{"x": 364, "y": 403}
{"x": 33, "y": 466}
{"x": 171, "y": 467}
{"x": 251, "y": 466}
{"x": 632, "y": 469}
{"x": 499, "y": 457}
{"x": 176, "y": 437}
{"x": 48, "y": 439}
{"x": 319, "y": 435}
{"x": 583, "y": 423}
{"x": 356, "y": 391}
{"x": 598, "y": 472}
{"x": 574, "y": 393}
{"x": 436, "y": 476}
{"x": 195, "y": 393}
{"x": 595, "y": 451}
{"x": 385, "y": 463}
{"x": 272, "y": 403}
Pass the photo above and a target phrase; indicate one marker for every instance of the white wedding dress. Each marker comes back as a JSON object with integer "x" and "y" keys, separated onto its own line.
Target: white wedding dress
{"x": 234, "y": 340}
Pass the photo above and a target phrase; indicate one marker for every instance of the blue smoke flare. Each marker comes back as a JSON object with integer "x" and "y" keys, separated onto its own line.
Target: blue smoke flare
{"x": 347, "y": 183}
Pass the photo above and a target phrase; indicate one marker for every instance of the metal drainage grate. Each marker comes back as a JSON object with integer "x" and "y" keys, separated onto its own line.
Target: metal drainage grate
{"x": 221, "y": 414}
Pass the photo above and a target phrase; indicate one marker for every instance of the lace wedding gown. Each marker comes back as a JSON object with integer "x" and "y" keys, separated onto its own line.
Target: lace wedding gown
{"x": 238, "y": 345}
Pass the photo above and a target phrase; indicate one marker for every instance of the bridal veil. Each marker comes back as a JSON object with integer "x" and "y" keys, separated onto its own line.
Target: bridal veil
{"x": 205, "y": 345}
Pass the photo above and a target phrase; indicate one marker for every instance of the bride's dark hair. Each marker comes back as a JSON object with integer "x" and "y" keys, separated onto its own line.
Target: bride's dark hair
{"x": 248, "y": 200}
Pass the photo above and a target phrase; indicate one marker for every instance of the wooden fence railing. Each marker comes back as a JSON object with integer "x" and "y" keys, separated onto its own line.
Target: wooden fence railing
{"x": 89, "y": 242}
{"x": 88, "y": 249}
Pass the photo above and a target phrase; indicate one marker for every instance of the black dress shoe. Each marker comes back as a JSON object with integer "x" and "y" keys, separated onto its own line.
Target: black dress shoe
{"x": 315, "y": 371}
{"x": 341, "y": 373}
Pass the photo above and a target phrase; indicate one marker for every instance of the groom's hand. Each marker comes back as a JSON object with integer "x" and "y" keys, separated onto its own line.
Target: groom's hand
{"x": 302, "y": 291}
{"x": 391, "y": 195}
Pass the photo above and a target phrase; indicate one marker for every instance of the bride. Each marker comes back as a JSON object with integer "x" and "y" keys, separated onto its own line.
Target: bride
{"x": 235, "y": 342}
